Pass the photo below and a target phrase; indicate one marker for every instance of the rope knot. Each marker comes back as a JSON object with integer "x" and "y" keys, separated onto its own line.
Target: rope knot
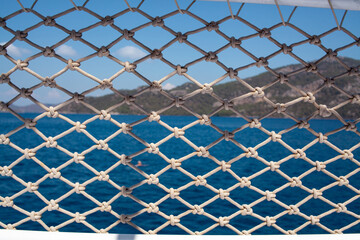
{"x": 228, "y": 135}
{"x": 155, "y": 86}
{"x": 329, "y": 82}
{"x": 152, "y": 179}
{"x": 52, "y": 205}
{"x": 124, "y": 160}
{"x": 2, "y": 22}
{"x": 174, "y": 163}
{"x": 21, "y": 65}
{"x": 262, "y": 62}
{"x": 309, "y": 97}
{"x": 343, "y": 181}
{"x": 178, "y": 132}
{"x": 78, "y": 97}
{"x": 283, "y": 78}
{"x": 303, "y": 124}
{"x": 280, "y": 107}
{"x": 102, "y": 145}
{"x": 200, "y": 181}
{"x": 316, "y": 193}
{"x": 156, "y": 54}
{"x": 244, "y": 182}
{"x": 4, "y": 79}
{"x": 274, "y": 166}
{"x": 322, "y": 138}
{"x": 286, "y": 49}
{"x": 258, "y": 92}
{"x": 158, "y": 22}
{"x": 197, "y": 210}
{"x": 125, "y": 191}
{"x": 25, "y": 92}
{"x": 128, "y": 34}
{"x": 49, "y": 82}
{"x": 152, "y": 208}
{"x": 246, "y": 210}
{"x": 232, "y": 73}
{"x": 315, "y": 40}
{"x": 311, "y": 67}
{"x": 79, "y": 188}
{"x": 181, "y": 37}
{"x": 51, "y": 143}
{"x": 10, "y": 227}
{"x": 269, "y": 195}
{"x": 103, "y": 176}
{"x": 341, "y": 208}
{"x": 29, "y": 123}
{"x": 331, "y": 54}
{"x": 211, "y": 57}
{"x": 202, "y": 152}
{"x": 265, "y": 32}
{"x": 337, "y": 231}
{"x": 79, "y": 127}
{"x": 3, "y": 50}
{"x": 174, "y": 193}
{"x": 234, "y": 43}
{"x": 293, "y": 210}
{"x": 108, "y": 20}
{"x": 31, "y": 187}
{"x": 7, "y": 202}
{"x": 103, "y": 52}
{"x": 205, "y": 120}
{"x": 125, "y": 128}
{"x": 320, "y": 166}
{"x": 49, "y": 21}
{"x": 4, "y": 140}
{"x": 206, "y": 89}
{"x": 105, "y": 84}
{"x": 105, "y": 207}
{"x": 299, "y": 154}
{"x": 212, "y": 26}
{"x": 72, "y": 65}
{"x": 76, "y": 36}
{"x": 174, "y": 220}
{"x": 350, "y": 126}
{"x": 130, "y": 67}
{"x": 28, "y": 153}
{"x": 255, "y": 123}
{"x": 6, "y": 171}
{"x": 79, "y": 218}
{"x": 295, "y": 182}
{"x": 34, "y": 216}
{"x": 223, "y": 193}
{"x": 227, "y": 104}
{"x": 347, "y": 154}
{"x": 355, "y": 99}
{"x": 324, "y": 111}
{"x": 129, "y": 99}
{"x": 179, "y": 101}
{"x": 270, "y": 221}
{"x": 19, "y": 35}
{"x": 275, "y": 137}
{"x": 124, "y": 218}
{"x": 181, "y": 70}
{"x": 48, "y": 52}
{"x": 251, "y": 152}
{"x": 104, "y": 115}
{"x": 78, "y": 157}
{"x": 314, "y": 220}
{"x": 154, "y": 117}
{"x": 223, "y": 221}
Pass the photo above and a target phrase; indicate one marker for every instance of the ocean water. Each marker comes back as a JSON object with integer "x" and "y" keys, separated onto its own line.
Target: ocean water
{"x": 100, "y": 160}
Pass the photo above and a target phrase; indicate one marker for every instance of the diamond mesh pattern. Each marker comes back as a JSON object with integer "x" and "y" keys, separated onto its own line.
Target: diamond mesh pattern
{"x": 235, "y": 44}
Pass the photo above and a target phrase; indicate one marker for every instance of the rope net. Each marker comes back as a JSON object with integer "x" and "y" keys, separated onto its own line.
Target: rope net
{"x": 349, "y": 181}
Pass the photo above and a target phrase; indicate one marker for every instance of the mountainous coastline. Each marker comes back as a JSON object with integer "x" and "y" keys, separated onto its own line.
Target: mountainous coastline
{"x": 250, "y": 106}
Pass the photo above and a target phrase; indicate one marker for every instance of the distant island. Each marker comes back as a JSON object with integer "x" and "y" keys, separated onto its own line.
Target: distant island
{"x": 250, "y": 106}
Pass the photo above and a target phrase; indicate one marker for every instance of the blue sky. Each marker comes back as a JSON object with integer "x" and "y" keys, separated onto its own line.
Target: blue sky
{"x": 311, "y": 20}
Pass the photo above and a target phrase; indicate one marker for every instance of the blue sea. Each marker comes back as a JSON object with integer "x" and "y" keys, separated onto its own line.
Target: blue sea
{"x": 201, "y": 135}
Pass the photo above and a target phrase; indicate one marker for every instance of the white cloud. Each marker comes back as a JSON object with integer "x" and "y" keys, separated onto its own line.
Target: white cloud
{"x": 168, "y": 86}
{"x": 66, "y": 50}
{"x": 131, "y": 52}
{"x": 14, "y": 51}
